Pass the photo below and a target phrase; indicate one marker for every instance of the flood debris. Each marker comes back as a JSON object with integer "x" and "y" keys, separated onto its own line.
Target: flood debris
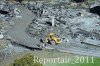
{"x": 8, "y": 11}
{"x": 76, "y": 27}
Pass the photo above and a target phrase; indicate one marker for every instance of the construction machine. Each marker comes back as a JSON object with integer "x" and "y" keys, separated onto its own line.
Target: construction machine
{"x": 53, "y": 39}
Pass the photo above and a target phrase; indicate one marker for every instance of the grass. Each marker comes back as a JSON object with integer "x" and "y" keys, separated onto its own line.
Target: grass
{"x": 96, "y": 62}
{"x": 28, "y": 60}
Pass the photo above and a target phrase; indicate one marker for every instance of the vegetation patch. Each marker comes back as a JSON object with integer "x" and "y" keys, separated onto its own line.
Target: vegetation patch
{"x": 27, "y": 60}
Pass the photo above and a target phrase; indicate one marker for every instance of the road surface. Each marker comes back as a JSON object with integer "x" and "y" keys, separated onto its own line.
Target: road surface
{"x": 17, "y": 31}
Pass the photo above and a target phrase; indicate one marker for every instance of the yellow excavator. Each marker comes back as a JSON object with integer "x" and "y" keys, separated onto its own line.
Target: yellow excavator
{"x": 53, "y": 39}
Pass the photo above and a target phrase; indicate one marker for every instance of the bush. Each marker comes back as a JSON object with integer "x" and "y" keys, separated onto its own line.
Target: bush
{"x": 27, "y": 60}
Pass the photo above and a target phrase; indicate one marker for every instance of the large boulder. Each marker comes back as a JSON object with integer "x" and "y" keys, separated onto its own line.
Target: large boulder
{"x": 95, "y": 10}
{"x": 4, "y": 12}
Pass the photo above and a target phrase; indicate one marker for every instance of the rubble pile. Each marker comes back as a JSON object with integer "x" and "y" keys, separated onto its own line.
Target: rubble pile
{"x": 8, "y": 10}
{"x": 76, "y": 27}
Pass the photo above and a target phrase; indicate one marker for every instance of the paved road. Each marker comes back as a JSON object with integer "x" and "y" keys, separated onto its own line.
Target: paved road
{"x": 17, "y": 31}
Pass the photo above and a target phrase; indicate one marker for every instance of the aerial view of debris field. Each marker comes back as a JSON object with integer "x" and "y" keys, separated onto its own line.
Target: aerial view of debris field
{"x": 49, "y": 29}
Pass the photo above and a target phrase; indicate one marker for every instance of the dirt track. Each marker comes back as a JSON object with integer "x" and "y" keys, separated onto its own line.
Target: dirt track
{"x": 17, "y": 31}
